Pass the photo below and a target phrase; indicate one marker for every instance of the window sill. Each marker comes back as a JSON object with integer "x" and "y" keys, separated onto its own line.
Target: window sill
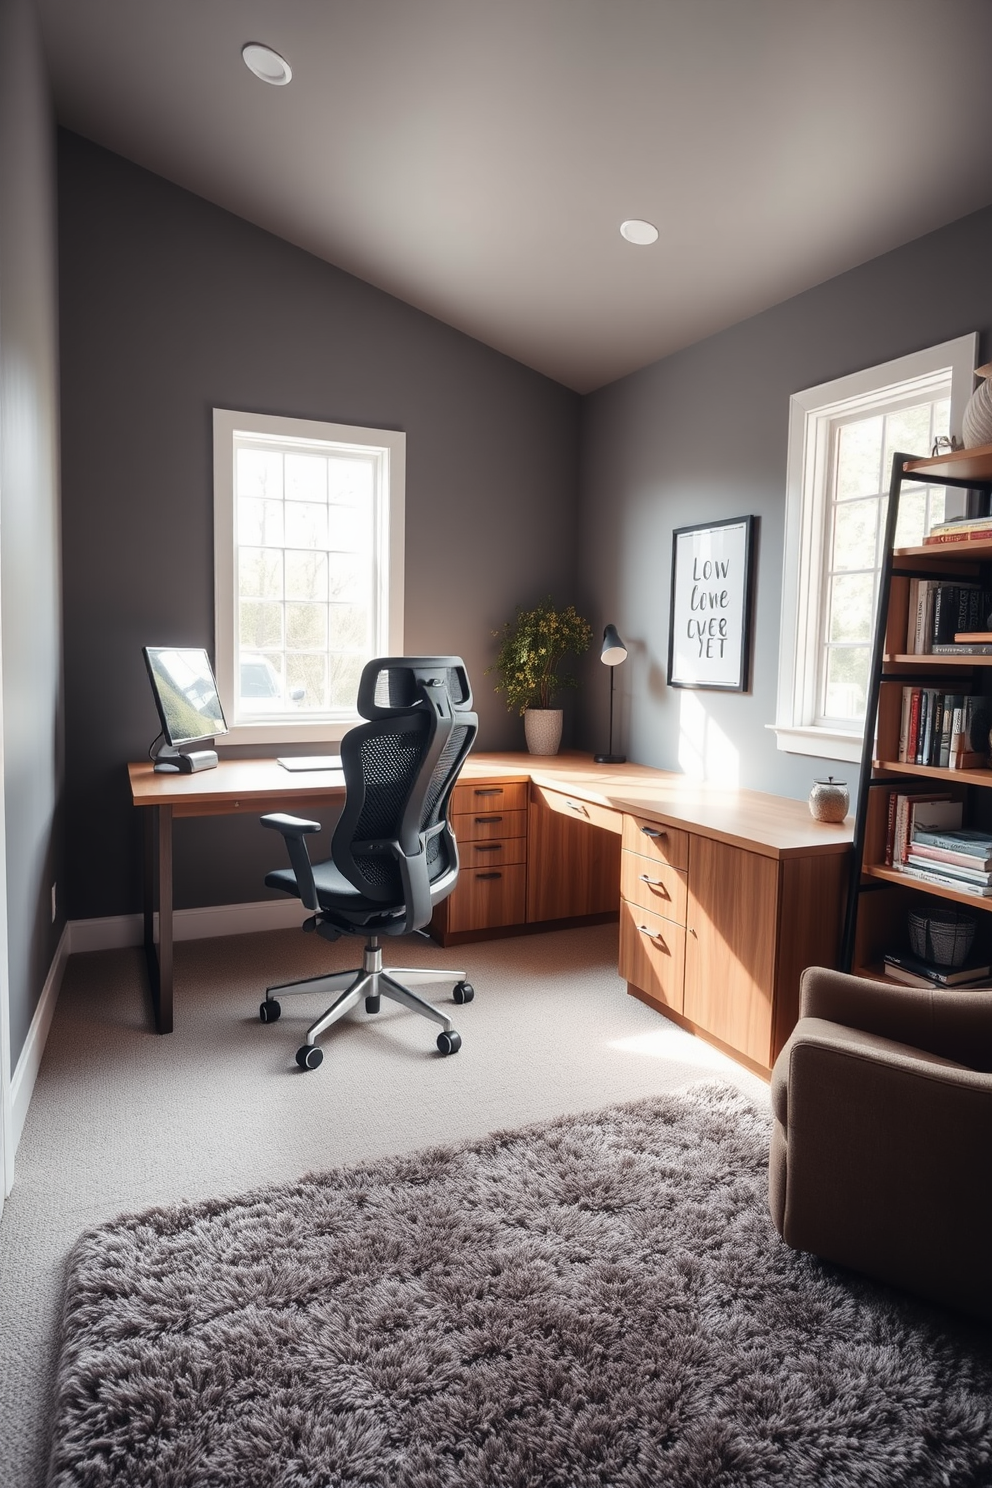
{"x": 832, "y": 744}
{"x": 277, "y": 731}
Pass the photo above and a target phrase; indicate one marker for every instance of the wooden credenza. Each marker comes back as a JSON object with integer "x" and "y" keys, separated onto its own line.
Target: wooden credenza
{"x": 724, "y": 896}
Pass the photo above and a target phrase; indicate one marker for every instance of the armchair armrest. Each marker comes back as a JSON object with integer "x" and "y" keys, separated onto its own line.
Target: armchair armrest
{"x": 952, "y": 1025}
{"x": 294, "y": 830}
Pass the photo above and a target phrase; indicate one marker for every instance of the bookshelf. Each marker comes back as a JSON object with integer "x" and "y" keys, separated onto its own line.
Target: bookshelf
{"x": 881, "y": 897}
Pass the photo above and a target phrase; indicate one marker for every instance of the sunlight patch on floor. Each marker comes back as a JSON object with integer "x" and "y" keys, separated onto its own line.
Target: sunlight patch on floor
{"x": 672, "y": 1043}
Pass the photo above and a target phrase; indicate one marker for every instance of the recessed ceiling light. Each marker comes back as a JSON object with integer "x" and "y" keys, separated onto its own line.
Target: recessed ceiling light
{"x": 635, "y": 230}
{"x": 267, "y": 64}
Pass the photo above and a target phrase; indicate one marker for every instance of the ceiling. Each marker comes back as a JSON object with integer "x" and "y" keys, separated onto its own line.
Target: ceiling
{"x": 476, "y": 157}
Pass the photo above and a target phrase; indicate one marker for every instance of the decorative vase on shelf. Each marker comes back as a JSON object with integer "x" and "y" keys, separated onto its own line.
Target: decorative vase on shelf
{"x": 542, "y": 730}
{"x": 976, "y": 425}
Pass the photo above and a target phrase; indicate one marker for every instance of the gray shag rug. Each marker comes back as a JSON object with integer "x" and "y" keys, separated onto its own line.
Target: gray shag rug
{"x": 599, "y": 1300}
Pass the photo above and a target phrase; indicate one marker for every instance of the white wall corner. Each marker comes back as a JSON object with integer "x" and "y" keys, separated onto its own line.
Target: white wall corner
{"x": 29, "y": 1062}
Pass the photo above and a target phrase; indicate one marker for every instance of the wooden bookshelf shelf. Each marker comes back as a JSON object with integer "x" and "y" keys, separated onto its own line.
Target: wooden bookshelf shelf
{"x": 934, "y": 772}
{"x": 907, "y": 881}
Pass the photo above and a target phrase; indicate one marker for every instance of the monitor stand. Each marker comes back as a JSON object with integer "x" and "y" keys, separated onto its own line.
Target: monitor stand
{"x": 170, "y": 761}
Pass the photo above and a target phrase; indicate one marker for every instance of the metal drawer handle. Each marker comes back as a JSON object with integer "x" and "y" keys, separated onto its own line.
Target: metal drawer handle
{"x": 496, "y": 790}
{"x": 652, "y": 935}
{"x": 488, "y": 819}
{"x": 655, "y": 883}
{"x": 653, "y": 832}
{"x": 489, "y": 875}
{"x": 576, "y": 806}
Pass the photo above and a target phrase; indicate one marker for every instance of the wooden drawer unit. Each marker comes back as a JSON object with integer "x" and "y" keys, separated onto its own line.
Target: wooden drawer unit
{"x": 652, "y": 955}
{"x": 577, "y": 809}
{"x": 653, "y": 885}
{"x": 487, "y": 898}
{"x": 654, "y": 840}
{"x": 489, "y": 796}
{"x": 488, "y": 826}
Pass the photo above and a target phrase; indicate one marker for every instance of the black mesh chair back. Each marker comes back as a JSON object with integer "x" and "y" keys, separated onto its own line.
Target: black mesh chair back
{"x": 393, "y": 841}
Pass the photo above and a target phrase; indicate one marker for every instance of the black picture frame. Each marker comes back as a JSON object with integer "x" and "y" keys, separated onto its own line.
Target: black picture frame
{"x": 709, "y": 628}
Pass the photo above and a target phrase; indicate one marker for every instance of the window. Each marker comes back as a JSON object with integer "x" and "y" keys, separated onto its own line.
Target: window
{"x": 308, "y": 561}
{"x": 841, "y": 440}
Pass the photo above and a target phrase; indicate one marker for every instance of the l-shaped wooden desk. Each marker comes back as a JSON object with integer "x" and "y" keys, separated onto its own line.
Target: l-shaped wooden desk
{"x": 724, "y": 895}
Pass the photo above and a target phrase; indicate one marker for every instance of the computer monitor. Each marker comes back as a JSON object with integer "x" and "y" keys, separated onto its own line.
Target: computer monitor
{"x": 188, "y": 705}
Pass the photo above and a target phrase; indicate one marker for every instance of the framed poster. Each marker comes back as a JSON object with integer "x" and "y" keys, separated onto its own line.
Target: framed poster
{"x": 709, "y": 633}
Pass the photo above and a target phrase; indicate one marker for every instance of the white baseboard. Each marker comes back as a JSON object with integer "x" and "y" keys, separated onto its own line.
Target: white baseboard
{"x": 116, "y": 931}
{"x": 28, "y": 1064}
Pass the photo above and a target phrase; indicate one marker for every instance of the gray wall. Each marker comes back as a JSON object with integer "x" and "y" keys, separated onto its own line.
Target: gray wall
{"x": 171, "y": 306}
{"x": 29, "y": 503}
{"x": 702, "y": 436}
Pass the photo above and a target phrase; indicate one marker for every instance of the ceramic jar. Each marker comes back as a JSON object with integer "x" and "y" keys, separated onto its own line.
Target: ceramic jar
{"x": 829, "y": 800}
{"x": 976, "y": 425}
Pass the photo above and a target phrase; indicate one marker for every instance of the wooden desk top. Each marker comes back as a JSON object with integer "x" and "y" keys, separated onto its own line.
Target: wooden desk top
{"x": 773, "y": 826}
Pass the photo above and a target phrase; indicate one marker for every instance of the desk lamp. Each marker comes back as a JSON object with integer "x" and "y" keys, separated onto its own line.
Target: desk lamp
{"x": 613, "y": 653}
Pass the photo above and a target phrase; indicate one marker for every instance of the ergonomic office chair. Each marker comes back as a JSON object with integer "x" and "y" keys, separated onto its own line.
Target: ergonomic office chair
{"x": 393, "y": 854}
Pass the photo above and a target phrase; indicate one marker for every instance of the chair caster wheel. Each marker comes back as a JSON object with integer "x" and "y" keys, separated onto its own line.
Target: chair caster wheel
{"x": 309, "y": 1056}
{"x": 371, "y": 1004}
{"x": 463, "y": 992}
{"x": 269, "y": 1010}
{"x": 449, "y": 1043}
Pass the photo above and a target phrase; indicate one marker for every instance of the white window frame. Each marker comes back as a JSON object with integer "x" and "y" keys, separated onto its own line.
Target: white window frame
{"x": 390, "y": 447}
{"x": 811, "y": 415}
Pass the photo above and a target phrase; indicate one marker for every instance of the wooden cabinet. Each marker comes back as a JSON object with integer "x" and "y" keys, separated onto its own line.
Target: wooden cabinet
{"x": 573, "y": 855}
{"x": 489, "y": 819}
{"x": 885, "y": 895}
{"x": 724, "y": 940}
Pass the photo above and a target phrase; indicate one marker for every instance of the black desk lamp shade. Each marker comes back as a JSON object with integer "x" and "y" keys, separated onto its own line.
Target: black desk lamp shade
{"x": 613, "y": 653}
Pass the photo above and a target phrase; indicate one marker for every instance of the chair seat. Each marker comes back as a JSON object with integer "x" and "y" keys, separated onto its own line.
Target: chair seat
{"x": 333, "y": 889}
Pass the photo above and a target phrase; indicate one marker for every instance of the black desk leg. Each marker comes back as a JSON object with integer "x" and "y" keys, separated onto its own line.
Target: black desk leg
{"x": 158, "y": 898}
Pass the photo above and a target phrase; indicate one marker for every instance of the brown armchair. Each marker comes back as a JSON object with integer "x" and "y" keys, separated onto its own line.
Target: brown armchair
{"x": 881, "y": 1155}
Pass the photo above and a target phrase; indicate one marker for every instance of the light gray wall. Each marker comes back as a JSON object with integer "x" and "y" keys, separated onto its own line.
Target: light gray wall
{"x": 29, "y": 515}
{"x": 171, "y": 306}
{"x": 701, "y": 436}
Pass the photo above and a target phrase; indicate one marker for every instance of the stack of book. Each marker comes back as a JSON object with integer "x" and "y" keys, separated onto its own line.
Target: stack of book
{"x": 939, "y": 609}
{"x": 970, "y": 529}
{"x": 935, "y": 729}
{"x": 956, "y": 857}
{"x": 907, "y": 968}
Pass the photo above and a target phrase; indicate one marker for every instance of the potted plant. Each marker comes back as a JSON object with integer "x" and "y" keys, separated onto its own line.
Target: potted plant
{"x": 532, "y": 646}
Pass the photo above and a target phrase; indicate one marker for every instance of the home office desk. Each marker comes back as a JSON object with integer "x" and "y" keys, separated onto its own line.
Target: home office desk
{"x": 723, "y": 895}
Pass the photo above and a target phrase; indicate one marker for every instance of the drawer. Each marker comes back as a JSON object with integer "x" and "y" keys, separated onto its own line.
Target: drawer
{"x": 652, "y": 955}
{"x": 655, "y": 840}
{"x": 488, "y": 897}
{"x": 492, "y": 796}
{"x": 579, "y": 810}
{"x": 484, "y": 826}
{"x": 653, "y": 885}
{"x": 492, "y": 854}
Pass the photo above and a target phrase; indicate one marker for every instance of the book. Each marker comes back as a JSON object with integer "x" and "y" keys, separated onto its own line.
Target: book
{"x": 961, "y": 524}
{"x": 950, "y": 870}
{"x": 947, "y": 855}
{"x": 917, "y": 979}
{"x": 977, "y": 534}
{"x": 906, "y": 804}
{"x": 904, "y": 717}
{"x": 962, "y": 648}
{"x": 960, "y": 839}
{"x": 943, "y": 880}
{"x": 974, "y": 635}
{"x": 945, "y": 976}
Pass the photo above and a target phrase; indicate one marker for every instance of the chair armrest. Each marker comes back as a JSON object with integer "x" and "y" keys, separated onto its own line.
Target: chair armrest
{"x": 952, "y": 1025}
{"x": 295, "y": 829}
{"x": 289, "y": 826}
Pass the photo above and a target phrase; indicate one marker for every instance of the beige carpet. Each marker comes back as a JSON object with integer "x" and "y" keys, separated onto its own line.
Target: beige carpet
{"x": 122, "y": 1118}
